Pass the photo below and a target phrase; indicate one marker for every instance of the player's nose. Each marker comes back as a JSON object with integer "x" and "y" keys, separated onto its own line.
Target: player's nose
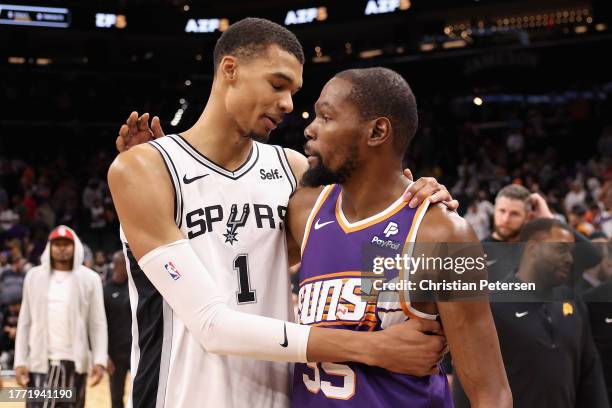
{"x": 286, "y": 103}
{"x": 309, "y": 132}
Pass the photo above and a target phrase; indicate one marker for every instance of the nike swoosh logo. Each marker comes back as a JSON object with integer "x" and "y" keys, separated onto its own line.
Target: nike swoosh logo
{"x": 517, "y": 314}
{"x": 286, "y": 342}
{"x": 319, "y": 226}
{"x": 191, "y": 180}
{"x": 491, "y": 262}
{"x": 608, "y": 320}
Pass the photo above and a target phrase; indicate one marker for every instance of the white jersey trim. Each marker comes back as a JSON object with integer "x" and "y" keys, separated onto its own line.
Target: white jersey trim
{"x": 282, "y": 158}
{"x": 411, "y": 241}
{"x": 200, "y": 158}
{"x": 176, "y": 182}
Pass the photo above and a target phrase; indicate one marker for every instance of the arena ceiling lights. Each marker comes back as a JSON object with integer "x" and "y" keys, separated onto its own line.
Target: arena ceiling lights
{"x": 206, "y": 25}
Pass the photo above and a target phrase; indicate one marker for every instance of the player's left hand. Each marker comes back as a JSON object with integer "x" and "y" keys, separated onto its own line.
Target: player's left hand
{"x": 97, "y": 372}
{"x": 136, "y": 130}
{"x": 428, "y": 187}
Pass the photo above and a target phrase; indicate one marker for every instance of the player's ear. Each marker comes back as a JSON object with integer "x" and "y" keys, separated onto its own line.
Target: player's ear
{"x": 228, "y": 68}
{"x": 379, "y": 131}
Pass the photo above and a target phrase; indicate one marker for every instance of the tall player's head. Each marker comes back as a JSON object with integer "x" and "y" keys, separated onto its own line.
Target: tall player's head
{"x": 258, "y": 68}
{"x": 362, "y": 115}
{"x": 512, "y": 207}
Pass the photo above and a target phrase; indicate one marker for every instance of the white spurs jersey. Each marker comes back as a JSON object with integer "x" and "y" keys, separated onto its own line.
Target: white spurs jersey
{"x": 235, "y": 222}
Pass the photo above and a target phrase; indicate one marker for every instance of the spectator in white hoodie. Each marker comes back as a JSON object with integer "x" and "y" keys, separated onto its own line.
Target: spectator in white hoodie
{"x": 62, "y": 321}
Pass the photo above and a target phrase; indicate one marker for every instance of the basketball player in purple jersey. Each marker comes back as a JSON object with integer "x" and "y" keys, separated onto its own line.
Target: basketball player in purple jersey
{"x": 365, "y": 120}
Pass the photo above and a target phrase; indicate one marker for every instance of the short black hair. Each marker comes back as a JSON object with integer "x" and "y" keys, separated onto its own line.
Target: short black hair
{"x": 382, "y": 92}
{"x": 540, "y": 225}
{"x": 251, "y": 37}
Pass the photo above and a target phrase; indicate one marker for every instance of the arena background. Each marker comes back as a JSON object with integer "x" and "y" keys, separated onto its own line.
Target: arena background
{"x": 508, "y": 91}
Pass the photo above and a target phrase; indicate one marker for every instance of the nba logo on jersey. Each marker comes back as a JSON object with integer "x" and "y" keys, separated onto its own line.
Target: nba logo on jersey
{"x": 174, "y": 273}
{"x": 391, "y": 229}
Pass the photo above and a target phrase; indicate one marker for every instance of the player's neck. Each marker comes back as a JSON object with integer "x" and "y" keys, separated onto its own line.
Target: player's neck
{"x": 218, "y": 138}
{"x": 370, "y": 191}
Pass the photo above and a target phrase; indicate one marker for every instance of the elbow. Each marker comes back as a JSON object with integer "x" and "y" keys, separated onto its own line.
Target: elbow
{"x": 506, "y": 397}
{"x": 211, "y": 327}
{"x": 501, "y": 397}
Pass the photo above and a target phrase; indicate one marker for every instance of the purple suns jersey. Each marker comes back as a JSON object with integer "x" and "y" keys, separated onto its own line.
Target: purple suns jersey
{"x": 336, "y": 254}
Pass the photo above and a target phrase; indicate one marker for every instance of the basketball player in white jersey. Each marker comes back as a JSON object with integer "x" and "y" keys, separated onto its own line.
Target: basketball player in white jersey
{"x": 204, "y": 216}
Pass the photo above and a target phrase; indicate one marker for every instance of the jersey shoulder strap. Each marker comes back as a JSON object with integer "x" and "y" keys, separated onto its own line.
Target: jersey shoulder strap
{"x": 165, "y": 150}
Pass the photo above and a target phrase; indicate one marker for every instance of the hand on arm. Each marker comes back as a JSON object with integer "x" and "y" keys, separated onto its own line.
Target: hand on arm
{"x": 426, "y": 187}
{"x": 136, "y": 130}
{"x": 412, "y": 347}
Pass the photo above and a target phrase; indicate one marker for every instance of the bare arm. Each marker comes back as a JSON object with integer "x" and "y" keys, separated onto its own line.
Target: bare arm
{"x": 468, "y": 325}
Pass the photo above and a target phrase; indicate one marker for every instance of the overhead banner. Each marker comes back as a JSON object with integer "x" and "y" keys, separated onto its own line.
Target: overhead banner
{"x": 11, "y": 14}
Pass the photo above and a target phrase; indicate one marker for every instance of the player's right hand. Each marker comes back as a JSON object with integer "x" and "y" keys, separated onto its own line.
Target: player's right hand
{"x": 22, "y": 376}
{"x": 136, "y": 131}
{"x": 413, "y": 347}
{"x": 539, "y": 207}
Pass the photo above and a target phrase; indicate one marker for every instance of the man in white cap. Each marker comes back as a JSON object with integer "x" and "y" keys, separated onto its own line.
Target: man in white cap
{"x": 62, "y": 321}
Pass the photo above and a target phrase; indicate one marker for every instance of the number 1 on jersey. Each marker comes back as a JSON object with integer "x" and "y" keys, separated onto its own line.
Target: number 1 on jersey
{"x": 245, "y": 294}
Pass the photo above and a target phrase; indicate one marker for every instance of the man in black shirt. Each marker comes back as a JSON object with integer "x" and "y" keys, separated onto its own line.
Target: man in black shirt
{"x": 119, "y": 316}
{"x": 545, "y": 336}
{"x": 599, "y": 303}
{"x": 601, "y": 272}
{"x": 514, "y": 207}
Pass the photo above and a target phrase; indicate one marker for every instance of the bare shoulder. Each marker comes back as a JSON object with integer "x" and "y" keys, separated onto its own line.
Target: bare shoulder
{"x": 144, "y": 199}
{"x": 300, "y": 205}
{"x": 442, "y": 225}
{"x": 293, "y": 155}
{"x": 304, "y": 198}
{"x": 297, "y": 162}
{"x": 138, "y": 159}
